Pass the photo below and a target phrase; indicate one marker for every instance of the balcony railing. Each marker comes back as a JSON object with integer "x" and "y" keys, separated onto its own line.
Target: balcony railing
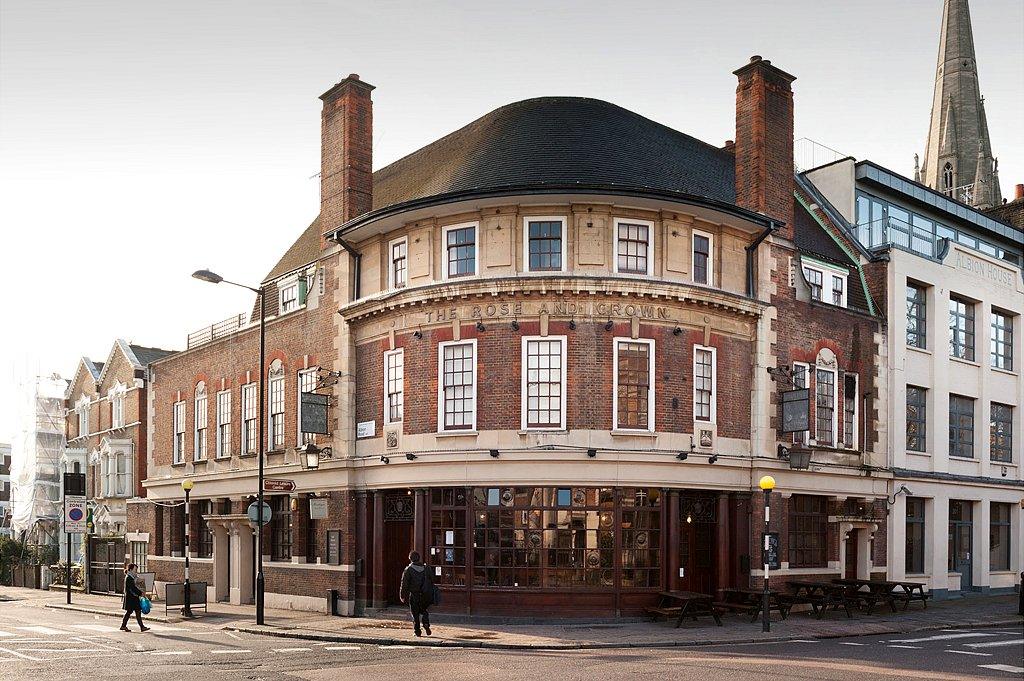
{"x": 210, "y": 333}
{"x": 899, "y": 234}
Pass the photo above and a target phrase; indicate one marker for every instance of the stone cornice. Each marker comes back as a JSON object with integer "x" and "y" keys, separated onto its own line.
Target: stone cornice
{"x": 548, "y": 285}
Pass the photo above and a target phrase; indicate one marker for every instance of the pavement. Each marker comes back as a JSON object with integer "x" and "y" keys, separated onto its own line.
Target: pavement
{"x": 392, "y": 627}
{"x": 49, "y": 644}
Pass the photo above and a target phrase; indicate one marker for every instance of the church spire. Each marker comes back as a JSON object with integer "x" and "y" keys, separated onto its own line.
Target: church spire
{"x": 958, "y": 153}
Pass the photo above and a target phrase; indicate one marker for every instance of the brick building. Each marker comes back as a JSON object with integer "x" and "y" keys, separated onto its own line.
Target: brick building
{"x": 547, "y": 339}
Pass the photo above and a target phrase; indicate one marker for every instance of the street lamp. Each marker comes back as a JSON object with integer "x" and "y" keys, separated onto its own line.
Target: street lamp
{"x": 767, "y": 484}
{"x": 214, "y": 278}
{"x": 186, "y": 611}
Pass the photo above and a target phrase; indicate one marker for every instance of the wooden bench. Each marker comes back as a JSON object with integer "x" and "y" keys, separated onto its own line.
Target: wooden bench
{"x": 660, "y": 611}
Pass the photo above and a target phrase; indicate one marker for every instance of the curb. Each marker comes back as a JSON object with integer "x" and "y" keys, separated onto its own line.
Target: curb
{"x": 455, "y": 643}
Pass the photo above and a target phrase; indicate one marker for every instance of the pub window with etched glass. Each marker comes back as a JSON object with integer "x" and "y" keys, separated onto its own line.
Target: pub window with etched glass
{"x": 1001, "y": 433}
{"x": 961, "y": 426}
{"x": 179, "y": 432}
{"x": 460, "y": 247}
{"x": 544, "y": 383}
{"x": 961, "y": 328}
{"x": 457, "y": 383}
{"x": 808, "y": 521}
{"x": 249, "y": 442}
{"x": 634, "y": 377}
{"x": 917, "y": 316}
{"x": 544, "y": 244}
{"x": 825, "y": 407}
{"x": 1002, "y": 340}
{"x": 917, "y": 423}
{"x": 276, "y": 399}
{"x": 914, "y": 560}
{"x": 632, "y": 248}
{"x": 280, "y": 528}
{"x": 394, "y": 385}
{"x": 224, "y": 424}
{"x": 999, "y": 537}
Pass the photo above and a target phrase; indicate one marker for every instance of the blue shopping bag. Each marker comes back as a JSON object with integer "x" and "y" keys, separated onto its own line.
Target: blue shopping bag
{"x": 145, "y": 605}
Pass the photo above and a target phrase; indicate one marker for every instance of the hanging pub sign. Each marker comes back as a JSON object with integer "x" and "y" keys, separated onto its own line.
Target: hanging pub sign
{"x": 796, "y": 410}
{"x": 313, "y": 413}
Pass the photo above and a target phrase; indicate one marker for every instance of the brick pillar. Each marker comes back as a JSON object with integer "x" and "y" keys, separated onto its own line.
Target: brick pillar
{"x": 379, "y": 598}
{"x": 346, "y": 153}
{"x": 764, "y": 141}
{"x": 722, "y": 554}
{"x": 673, "y": 539}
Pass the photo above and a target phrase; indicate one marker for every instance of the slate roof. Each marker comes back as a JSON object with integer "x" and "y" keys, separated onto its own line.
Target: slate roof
{"x": 305, "y": 250}
{"x": 559, "y": 141}
{"x": 811, "y": 239}
{"x": 147, "y": 355}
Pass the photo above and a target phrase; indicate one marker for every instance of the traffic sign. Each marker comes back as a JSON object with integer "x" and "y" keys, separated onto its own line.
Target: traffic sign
{"x": 75, "y": 514}
{"x": 272, "y": 485}
{"x": 254, "y": 511}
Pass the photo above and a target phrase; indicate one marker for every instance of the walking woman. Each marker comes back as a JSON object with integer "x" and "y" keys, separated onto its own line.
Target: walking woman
{"x": 132, "y": 598}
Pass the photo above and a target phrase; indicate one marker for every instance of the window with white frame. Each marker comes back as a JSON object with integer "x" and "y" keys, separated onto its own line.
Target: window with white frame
{"x": 275, "y": 429}
{"x": 801, "y": 380}
{"x": 703, "y": 262}
{"x": 249, "y": 434}
{"x": 289, "y": 295}
{"x": 544, "y": 244}
{"x": 122, "y": 474}
{"x": 117, "y": 397}
{"x": 704, "y": 394}
{"x": 543, "y": 382}
{"x": 457, "y": 385}
{"x": 307, "y": 384}
{"x": 634, "y": 250}
{"x": 633, "y": 407}
{"x": 818, "y": 275}
{"x": 179, "y": 432}
{"x": 201, "y": 423}
{"x": 394, "y": 385}
{"x": 850, "y": 411}
{"x": 825, "y": 407}
{"x": 460, "y": 251}
{"x": 83, "y": 417}
{"x": 224, "y": 424}
{"x": 1002, "y": 340}
{"x": 398, "y": 263}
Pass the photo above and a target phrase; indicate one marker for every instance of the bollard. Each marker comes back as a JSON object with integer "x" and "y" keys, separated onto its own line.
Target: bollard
{"x": 332, "y": 602}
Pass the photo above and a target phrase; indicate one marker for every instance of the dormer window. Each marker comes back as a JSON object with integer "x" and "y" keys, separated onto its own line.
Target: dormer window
{"x": 83, "y": 417}
{"x": 117, "y": 398}
{"x": 634, "y": 252}
{"x": 828, "y": 283}
{"x": 545, "y": 244}
{"x": 289, "y": 296}
{"x": 398, "y": 267}
{"x": 703, "y": 268}
{"x": 460, "y": 251}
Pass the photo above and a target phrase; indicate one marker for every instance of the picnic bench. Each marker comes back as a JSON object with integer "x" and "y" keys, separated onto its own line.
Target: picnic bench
{"x": 683, "y": 604}
{"x": 751, "y": 600}
{"x": 911, "y": 591}
{"x": 821, "y": 595}
{"x": 870, "y": 591}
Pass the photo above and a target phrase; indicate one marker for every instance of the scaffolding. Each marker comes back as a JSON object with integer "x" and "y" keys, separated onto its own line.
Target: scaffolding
{"x": 35, "y": 463}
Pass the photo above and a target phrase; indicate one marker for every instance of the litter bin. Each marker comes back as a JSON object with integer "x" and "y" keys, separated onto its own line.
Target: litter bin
{"x": 332, "y": 602}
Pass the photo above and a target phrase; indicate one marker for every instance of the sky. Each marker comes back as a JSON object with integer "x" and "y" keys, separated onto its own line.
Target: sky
{"x": 141, "y": 140}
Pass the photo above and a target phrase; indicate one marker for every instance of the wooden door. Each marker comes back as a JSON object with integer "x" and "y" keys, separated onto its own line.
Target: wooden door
{"x": 851, "y": 555}
{"x": 697, "y": 524}
{"x": 399, "y": 512}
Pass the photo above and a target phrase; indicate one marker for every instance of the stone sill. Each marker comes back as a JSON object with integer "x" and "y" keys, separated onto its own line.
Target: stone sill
{"x": 968, "y": 362}
{"x": 457, "y": 433}
{"x": 632, "y": 433}
{"x": 923, "y": 351}
{"x": 1008, "y": 372}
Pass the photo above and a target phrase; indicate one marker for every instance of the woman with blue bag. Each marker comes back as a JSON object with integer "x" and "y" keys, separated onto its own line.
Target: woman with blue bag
{"x": 133, "y": 598}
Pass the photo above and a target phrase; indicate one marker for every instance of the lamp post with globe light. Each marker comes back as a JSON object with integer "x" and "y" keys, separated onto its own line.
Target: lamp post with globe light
{"x": 214, "y": 278}
{"x": 767, "y": 484}
{"x": 186, "y": 611}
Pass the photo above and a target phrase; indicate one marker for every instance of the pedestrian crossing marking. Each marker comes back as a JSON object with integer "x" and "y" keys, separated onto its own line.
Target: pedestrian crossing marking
{"x": 293, "y": 650}
{"x": 850, "y": 643}
{"x": 171, "y": 652}
{"x": 1003, "y": 668}
{"x": 41, "y": 630}
{"x": 228, "y": 652}
{"x": 102, "y": 628}
{"x": 911, "y": 647}
{"x": 940, "y": 637}
{"x": 342, "y": 648}
{"x": 997, "y": 644}
{"x": 968, "y": 652}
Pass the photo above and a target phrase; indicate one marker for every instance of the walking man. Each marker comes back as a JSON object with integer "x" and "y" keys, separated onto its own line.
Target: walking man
{"x": 132, "y": 598}
{"x": 418, "y": 591}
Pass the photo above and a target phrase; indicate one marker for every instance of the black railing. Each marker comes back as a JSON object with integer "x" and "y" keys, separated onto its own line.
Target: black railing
{"x": 210, "y": 333}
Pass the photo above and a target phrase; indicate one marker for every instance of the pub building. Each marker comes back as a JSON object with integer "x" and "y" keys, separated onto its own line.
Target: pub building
{"x": 547, "y": 339}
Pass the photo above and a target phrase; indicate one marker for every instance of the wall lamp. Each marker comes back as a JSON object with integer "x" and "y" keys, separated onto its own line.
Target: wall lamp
{"x": 676, "y": 331}
{"x": 591, "y": 453}
{"x": 572, "y": 324}
{"x": 480, "y": 327}
{"x": 410, "y": 456}
{"x": 902, "y": 490}
{"x": 494, "y": 453}
{"x": 385, "y": 460}
{"x": 608, "y": 326}
{"x": 682, "y": 456}
{"x": 515, "y": 324}
{"x": 713, "y": 458}
{"x": 311, "y": 455}
{"x": 417, "y": 334}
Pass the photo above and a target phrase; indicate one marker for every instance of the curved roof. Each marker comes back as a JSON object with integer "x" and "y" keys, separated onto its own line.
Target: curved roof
{"x": 559, "y": 141}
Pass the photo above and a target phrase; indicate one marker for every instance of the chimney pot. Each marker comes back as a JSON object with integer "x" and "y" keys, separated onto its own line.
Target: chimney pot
{"x": 756, "y": 58}
{"x": 1019, "y": 194}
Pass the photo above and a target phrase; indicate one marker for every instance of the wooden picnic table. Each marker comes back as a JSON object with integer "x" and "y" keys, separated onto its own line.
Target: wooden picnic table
{"x": 885, "y": 590}
{"x": 912, "y": 591}
{"x": 751, "y": 600}
{"x": 686, "y": 604}
{"x": 821, "y": 595}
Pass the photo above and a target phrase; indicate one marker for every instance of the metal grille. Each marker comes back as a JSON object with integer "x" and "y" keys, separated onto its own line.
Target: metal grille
{"x": 398, "y": 507}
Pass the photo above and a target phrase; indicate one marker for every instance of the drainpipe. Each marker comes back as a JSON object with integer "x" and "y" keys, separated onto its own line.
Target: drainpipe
{"x": 752, "y": 249}
{"x": 357, "y": 263}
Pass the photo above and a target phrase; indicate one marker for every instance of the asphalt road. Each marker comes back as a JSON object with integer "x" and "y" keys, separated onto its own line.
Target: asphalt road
{"x": 45, "y": 644}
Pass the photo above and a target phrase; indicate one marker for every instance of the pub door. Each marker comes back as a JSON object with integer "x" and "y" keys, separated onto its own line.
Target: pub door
{"x": 399, "y": 509}
{"x": 697, "y": 524}
{"x": 852, "y": 542}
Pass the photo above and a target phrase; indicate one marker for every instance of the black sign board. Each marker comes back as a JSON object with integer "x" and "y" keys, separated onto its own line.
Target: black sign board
{"x": 74, "y": 484}
{"x": 313, "y": 414}
{"x": 770, "y": 550}
{"x": 334, "y": 547}
{"x": 796, "y": 410}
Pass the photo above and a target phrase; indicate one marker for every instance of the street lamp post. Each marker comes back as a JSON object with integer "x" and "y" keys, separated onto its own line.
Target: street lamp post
{"x": 213, "y": 278}
{"x": 767, "y": 484}
{"x": 186, "y": 611}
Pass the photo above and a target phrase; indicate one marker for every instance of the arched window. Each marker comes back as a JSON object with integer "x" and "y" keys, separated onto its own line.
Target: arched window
{"x": 947, "y": 179}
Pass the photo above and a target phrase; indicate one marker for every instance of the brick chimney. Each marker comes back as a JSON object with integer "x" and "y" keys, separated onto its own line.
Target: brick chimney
{"x": 764, "y": 141}
{"x": 346, "y": 153}
{"x": 1019, "y": 193}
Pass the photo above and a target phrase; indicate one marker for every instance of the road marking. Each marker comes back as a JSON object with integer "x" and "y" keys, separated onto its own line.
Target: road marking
{"x": 171, "y": 652}
{"x": 21, "y": 655}
{"x": 1003, "y": 668}
{"x": 846, "y": 643}
{"x": 41, "y": 630}
{"x": 103, "y": 628}
{"x": 342, "y": 648}
{"x": 947, "y": 637}
{"x": 293, "y": 650}
{"x": 398, "y": 647}
{"x": 802, "y": 640}
{"x": 64, "y": 650}
{"x": 6, "y": 633}
{"x": 968, "y": 652}
{"x": 158, "y": 629}
{"x": 228, "y": 652}
{"x": 997, "y": 644}
{"x": 233, "y": 635}
{"x": 911, "y": 647}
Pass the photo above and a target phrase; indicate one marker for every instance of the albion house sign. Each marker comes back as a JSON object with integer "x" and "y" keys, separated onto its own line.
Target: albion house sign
{"x": 985, "y": 270}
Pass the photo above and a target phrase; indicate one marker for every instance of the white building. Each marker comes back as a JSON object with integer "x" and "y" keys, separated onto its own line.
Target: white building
{"x": 950, "y": 278}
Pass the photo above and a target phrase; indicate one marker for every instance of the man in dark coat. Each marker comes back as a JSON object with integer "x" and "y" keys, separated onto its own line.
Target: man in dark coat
{"x": 418, "y": 591}
{"x": 132, "y": 599}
